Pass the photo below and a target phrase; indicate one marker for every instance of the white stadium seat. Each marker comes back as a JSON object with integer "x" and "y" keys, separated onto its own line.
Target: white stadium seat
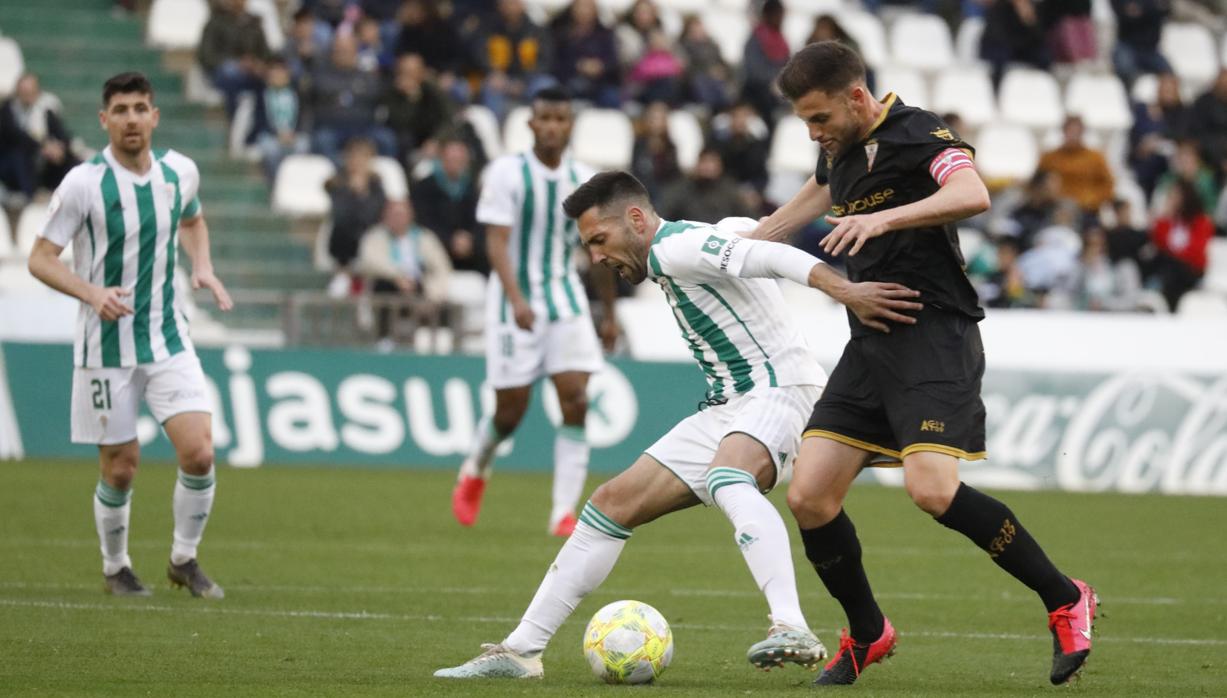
{"x": 968, "y": 92}
{"x": 1031, "y": 98}
{"x": 32, "y": 222}
{"x": 791, "y": 148}
{"x": 797, "y": 28}
{"x": 175, "y": 25}
{"x": 1203, "y": 304}
{"x": 908, "y": 83}
{"x": 240, "y": 127}
{"x": 486, "y": 125}
{"x": 687, "y": 137}
{"x": 1216, "y": 266}
{"x": 198, "y": 90}
{"x": 299, "y": 187}
{"x": 517, "y": 137}
{"x": 1100, "y": 100}
{"x": 1005, "y": 151}
{"x": 967, "y": 41}
{"x": 869, "y": 34}
{"x": 812, "y": 8}
{"x": 685, "y": 7}
{"x": 391, "y": 177}
{"x": 603, "y": 138}
{"x": 1191, "y": 50}
{"x": 12, "y": 65}
{"x": 1145, "y": 88}
{"x": 270, "y": 20}
{"x": 6, "y": 237}
{"x": 729, "y": 29}
{"x": 921, "y": 41}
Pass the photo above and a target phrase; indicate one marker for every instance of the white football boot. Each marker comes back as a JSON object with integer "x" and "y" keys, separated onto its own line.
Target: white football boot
{"x": 787, "y": 643}
{"x": 496, "y": 662}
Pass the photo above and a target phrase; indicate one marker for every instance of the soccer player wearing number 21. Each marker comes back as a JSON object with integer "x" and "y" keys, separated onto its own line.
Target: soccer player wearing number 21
{"x": 762, "y": 381}
{"x": 122, "y": 211}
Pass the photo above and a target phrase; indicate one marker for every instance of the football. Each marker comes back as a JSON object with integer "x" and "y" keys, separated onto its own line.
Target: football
{"x": 628, "y": 642}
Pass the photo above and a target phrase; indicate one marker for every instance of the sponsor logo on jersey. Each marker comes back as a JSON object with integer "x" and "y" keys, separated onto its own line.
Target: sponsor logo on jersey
{"x": 863, "y": 204}
{"x": 943, "y": 133}
{"x": 728, "y": 254}
{"x": 933, "y": 425}
{"x": 713, "y": 245}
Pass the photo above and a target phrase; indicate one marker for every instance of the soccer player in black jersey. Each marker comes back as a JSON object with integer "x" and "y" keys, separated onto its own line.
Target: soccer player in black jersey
{"x": 896, "y": 179}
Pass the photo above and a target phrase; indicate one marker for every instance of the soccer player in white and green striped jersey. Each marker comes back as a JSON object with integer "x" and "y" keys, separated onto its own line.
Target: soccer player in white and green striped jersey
{"x": 125, "y": 213}
{"x": 537, "y": 318}
{"x": 762, "y": 383}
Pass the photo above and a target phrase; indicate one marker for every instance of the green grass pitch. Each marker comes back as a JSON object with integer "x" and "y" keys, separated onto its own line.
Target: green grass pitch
{"x": 358, "y": 582}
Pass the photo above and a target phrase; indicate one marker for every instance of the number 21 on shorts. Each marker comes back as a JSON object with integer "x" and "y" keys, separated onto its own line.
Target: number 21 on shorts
{"x": 101, "y": 393}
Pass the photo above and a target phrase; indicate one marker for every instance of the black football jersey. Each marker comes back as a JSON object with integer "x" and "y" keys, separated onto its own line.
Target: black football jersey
{"x": 890, "y": 168}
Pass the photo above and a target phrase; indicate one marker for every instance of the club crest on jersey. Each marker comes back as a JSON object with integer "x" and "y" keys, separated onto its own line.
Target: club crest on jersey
{"x": 942, "y": 133}
{"x": 871, "y": 152}
{"x": 713, "y": 245}
{"x": 170, "y": 192}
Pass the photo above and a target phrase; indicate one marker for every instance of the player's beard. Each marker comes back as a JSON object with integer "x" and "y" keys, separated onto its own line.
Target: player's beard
{"x": 141, "y": 143}
{"x": 637, "y": 256}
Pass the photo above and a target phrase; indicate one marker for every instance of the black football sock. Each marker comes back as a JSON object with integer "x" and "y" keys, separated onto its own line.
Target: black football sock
{"x": 835, "y": 553}
{"x": 994, "y": 528}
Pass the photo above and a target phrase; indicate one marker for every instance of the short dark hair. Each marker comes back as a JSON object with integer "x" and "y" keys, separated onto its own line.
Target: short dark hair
{"x": 827, "y": 66}
{"x": 552, "y": 94}
{"x": 126, "y": 83}
{"x": 604, "y": 189}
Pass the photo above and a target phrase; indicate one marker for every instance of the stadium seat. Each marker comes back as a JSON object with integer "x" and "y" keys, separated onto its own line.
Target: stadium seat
{"x": 486, "y": 125}
{"x": 547, "y": 7}
{"x": 1031, "y": 98}
{"x": 392, "y": 177}
{"x": 970, "y": 243}
{"x": 321, "y": 260}
{"x": 198, "y": 90}
{"x": 1216, "y": 266}
{"x": 12, "y": 65}
{"x": 797, "y": 28}
{"x": 1145, "y": 88}
{"x": 603, "y": 138}
{"x": 1100, "y": 100}
{"x": 791, "y": 148}
{"x": 32, "y": 221}
{"x": 729, "y": 29}
{"x": 968, "y": 92}
{"x": 299, "y": 187}
{"x": 1203, "y": 304}
{"x": 867, "y": 29}
{"x": 175, "y": 25}
{"x": 685, "y": 7}
{"x": 240, "y": 127}
{"x": 921, "y": 42}
{"x": 467, "y": 289}
{"x": 6, "y": 237}
{"x": 967, "y": 41}
{"x": 1191, "y": 50}
{"x": 687, "y": 137}
{"x": 270, "y": 20}
{"x": 1006, "y": 152}
{"x": 908, "y": 83}
{"x": 517, "y": 137}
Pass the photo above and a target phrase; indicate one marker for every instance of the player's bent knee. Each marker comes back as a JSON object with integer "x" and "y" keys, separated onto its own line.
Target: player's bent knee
{"x": 197, "y": 460}
{"x": 933, "y": 498}
{"x": 811, "y": 509}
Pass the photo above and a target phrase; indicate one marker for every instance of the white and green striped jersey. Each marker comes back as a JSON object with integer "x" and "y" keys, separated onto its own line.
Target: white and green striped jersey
{"x": 520, "y": 192}
{"x": 737, "y": 328}
{"x": 123, "y": 228}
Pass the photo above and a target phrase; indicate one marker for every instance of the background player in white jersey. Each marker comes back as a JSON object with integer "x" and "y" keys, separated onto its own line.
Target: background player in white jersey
{"x": 762, "y": 380}
{"x": 122, "y": 211}
{"x": 537, "y": 319}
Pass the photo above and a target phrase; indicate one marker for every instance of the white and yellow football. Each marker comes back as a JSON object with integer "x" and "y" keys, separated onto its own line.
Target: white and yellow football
{"x": 628, "y": 642}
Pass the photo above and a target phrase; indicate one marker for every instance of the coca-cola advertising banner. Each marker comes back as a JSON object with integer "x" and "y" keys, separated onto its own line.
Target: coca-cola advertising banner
{"x": 1128, "y": 431}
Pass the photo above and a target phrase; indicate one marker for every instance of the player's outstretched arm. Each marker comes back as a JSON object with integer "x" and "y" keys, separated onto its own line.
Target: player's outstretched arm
{"x": 811, "y": 202}
{"x": 961, "y": 196}
{"x": 194, "y": 235}
{"x": 46, "y": 266}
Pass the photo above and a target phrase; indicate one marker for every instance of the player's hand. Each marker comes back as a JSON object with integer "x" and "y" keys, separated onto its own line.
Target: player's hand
{"x": 205, "y": 279}
{"x": 524, "y": 315}
{"x": 609, "y": 331}
{"x": 109, "y": 304}
{"x": 851, "y": 230}
{"x": 875, "y": 304}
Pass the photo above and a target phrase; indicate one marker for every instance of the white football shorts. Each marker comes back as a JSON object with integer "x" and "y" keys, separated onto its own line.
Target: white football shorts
{"x": 106, "y": 401}
{"x": 515, "y": 357}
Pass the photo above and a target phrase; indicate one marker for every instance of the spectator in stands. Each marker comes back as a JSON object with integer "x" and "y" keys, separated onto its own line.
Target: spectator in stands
{"x": 373, "y": 55}
{"x": 399, "y": 257}
{"x": 742, "y": 140}
{"x": 424, "y": 31}
{"x": 35, "y": 147}
{"x": 707, "y": 76}
{"x": 357, "y": 201}
{"x": 1187, "y": 165}
{"x": 232, "y": 50}
{"x": 1181, "y": 235}
{"x": 1139, "y": 25}
{"x": 658, "y": 74}
{"x": 586, "y": 55}
{"x": 308, "y": 44}
{"x": 514, "y": 54}
{"x": 1104, "y": 284}
{"x": 1126, "y": 242}
{"x": 1209, "y": 123}
{"x": 1050, "y": 268}
{"x": 766, "y": 53}
{"x": 1156, "y": 128}
{"x": 1071, "y": 33}
{"x": 277, "y": 119}
{"x": 828, "y": 28}
{"x": 1085, "y": 175}
{"x": 417, "y": 110}
{"x": 654, "y": 157}
{"x": 331, "y": 11}
{"x": 1033, "y": 213}
{"x": 380, "y": 10}
{"x": 1013, "y": 33}
{"x": 446, "y": 202}
{"x": 707, "y": 195}
{"x": 342, "y": 101}
{"x": 632, "y": 31}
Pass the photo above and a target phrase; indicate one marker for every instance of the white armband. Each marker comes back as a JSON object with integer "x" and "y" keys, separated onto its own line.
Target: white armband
{"x": 775, "y": 260}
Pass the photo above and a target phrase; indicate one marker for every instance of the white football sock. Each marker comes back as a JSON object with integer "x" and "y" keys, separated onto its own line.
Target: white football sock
{"x": 112, "y": 509}
{"x": 583, "y": 563}
{"x": 485, "y": 443}
{"x": 570, "y": 470}
{"x": 193, "y": 501}
{"x": 762, "y": 537}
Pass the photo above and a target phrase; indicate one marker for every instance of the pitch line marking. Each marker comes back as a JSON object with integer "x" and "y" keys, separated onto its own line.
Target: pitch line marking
{"x": 367, "y": 615}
